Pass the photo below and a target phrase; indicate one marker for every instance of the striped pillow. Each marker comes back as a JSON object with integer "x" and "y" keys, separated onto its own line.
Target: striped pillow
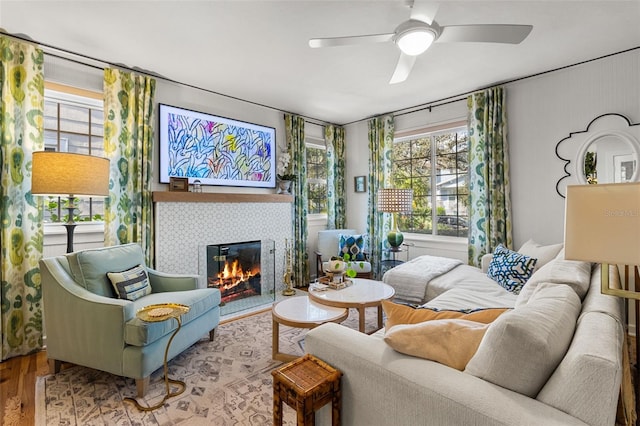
{"x": 131, "y": 284}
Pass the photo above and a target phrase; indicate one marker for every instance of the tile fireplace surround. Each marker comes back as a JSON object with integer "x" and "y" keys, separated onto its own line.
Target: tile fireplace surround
{"x": 186, "y": 221}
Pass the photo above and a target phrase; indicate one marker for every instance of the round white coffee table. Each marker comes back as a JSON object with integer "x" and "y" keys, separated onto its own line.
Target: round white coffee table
{"x": 300, "y": 312}
{"x": 363, "y": 293}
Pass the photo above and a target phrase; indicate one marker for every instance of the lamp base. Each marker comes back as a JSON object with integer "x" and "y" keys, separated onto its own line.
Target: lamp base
{"x": 395, "y": 238}
{"x": 70, "y": 228}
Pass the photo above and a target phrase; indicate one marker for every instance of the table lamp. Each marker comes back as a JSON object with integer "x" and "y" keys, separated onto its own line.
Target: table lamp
{"x": 602, "y": 225}
{"x": 395, "y": 200}
{"x": 69, "y": 175}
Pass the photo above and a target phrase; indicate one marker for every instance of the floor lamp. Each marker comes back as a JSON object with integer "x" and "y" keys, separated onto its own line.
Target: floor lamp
{"x": 602, "y": 225}
{"x": 70, "y": 175}
{"x": 395, "y": 200}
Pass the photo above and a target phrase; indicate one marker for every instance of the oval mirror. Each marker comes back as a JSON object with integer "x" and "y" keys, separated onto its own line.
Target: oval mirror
{"x": 609, "y": 158}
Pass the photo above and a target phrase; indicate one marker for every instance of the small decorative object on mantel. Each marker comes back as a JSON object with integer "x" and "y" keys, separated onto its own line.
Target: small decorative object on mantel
{"x": 179, "y": 184}
{"x": 288, "y": 270}
{"x": 285, "y": 177}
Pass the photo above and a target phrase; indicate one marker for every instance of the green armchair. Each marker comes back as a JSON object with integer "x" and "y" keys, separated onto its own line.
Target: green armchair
{"x": 87, "y": 324}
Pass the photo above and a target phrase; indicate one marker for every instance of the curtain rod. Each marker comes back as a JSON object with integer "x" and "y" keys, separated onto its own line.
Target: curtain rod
{"x": 53, "y": 49}
{"x": 462, "y": 96}
{"x": 311, "y": 120}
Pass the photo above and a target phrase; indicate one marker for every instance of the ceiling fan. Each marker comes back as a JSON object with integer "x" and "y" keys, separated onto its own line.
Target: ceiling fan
{"x": 413, "y": 37}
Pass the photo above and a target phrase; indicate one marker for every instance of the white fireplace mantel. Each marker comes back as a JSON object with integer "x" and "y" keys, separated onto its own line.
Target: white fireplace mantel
{"x": 186, "y": 222}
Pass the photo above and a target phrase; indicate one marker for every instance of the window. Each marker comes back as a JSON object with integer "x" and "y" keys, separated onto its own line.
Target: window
{"x": 436, "y": 166}
{"x": 73, "y": 122}
{"x": 317, "y": 178}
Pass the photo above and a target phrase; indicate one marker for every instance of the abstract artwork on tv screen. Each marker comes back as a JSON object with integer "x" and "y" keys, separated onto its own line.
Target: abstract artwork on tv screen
{"x": 215, "y": 150}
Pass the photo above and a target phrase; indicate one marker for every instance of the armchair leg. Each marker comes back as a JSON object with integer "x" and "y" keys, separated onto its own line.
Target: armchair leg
{"x": 212, "y": 334}
{"x": 54, "y": 366}
{"x": 142, "y": 385}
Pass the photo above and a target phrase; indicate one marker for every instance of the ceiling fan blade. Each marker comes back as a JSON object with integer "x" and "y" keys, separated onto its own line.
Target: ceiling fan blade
{"x": 512, "y": 34}
{"x": 405, "y": 64}
{"x": 345, "y": 41}
{"x": 424, "y": 11}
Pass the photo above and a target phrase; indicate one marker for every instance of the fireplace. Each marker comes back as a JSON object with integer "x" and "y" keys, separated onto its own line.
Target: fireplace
{"x": 234, "y": 269}
{"x": 242, "y": 271}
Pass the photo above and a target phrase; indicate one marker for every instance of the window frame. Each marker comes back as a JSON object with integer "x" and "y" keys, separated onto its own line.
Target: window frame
{"x": 432, "y": 132}
{"x": 80, "y": 98}
{"x": 316, "y": 143}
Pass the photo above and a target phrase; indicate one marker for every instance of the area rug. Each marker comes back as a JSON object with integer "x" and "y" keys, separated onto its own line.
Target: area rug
{"x": 228, "y": 382}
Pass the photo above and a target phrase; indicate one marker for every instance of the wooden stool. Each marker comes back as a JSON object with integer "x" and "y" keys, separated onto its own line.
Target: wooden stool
{"x": 306, "y": 384}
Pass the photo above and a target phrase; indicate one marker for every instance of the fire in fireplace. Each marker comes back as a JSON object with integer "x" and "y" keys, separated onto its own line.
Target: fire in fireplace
{"x": 234, "y": 269}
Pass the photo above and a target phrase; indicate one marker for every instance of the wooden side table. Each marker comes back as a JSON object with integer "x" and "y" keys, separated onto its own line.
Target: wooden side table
{"x": 306, "y": 384}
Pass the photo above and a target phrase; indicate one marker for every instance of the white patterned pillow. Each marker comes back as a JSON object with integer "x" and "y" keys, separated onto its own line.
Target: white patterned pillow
{"x": 510, "y": 269}
{"x": 131, "y": 284}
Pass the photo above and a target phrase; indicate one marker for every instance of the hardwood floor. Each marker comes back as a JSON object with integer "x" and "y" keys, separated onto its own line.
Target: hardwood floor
{"x": 18, "y": 385}
{"x": 18, "y": 388}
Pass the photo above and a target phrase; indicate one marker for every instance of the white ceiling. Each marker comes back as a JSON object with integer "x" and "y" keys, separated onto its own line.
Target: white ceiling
{"x": 258, "y": 51}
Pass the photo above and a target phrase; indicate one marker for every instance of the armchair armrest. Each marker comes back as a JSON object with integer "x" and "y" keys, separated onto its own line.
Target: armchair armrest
{"x": 162, "y": 282}
{"x": 82, "y": 327}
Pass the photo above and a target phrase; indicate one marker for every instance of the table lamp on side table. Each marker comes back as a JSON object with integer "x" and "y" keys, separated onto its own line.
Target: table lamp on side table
{"x": 602, "y": 225}
{"x": 69, "y": 175}
{"x": 395, "y": 200}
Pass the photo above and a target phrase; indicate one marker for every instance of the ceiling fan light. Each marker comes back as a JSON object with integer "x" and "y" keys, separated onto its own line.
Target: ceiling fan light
{"x": 416, "y": 41}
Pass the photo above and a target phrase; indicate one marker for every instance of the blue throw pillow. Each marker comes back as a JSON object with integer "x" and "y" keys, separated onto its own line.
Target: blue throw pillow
{"x": 353, "y": 245}
{"x": 510, "y": 269}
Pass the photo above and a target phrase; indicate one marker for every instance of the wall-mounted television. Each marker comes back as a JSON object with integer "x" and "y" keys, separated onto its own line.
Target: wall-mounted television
{"x": 215, "y": 150}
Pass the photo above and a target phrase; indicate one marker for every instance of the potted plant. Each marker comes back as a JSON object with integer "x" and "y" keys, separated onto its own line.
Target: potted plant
{"x": 285, "y": 177}
{"x": 345, "y": 261}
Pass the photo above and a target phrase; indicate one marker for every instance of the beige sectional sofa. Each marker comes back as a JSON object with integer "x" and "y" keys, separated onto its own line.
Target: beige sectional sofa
{"x": 554, "y": 358}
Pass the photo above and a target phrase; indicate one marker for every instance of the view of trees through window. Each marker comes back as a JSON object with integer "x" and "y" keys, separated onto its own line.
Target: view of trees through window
{"x": 317, "y": 179}
{"x": 74, "y": 124}
{"x": 435, "y": 165}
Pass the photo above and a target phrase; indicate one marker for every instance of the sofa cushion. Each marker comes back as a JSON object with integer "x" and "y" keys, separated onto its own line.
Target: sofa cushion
{"x": 575, "y": 274}
{"x": 90, "y": 267}
{"x": 141, "y": 333}
{"x": 522, "y": 348}
{"x": 451, "y": 342}
{"x": 131, "y": 284}
{"x": 402, "y": 314}
{"x": 510, "y": 269}
{"x": 543, "y": 254}
{"x": 353, "y": 245}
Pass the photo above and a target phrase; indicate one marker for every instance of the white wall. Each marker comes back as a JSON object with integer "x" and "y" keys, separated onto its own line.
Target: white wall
{"x": 540, "y": 111}
{"x": 543, "y": 110}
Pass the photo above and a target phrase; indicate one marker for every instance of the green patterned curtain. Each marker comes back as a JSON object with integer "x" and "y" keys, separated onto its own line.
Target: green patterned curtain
{"x": 378, "y": 224}
{"x": 128, "y": 143}
{"x": 296, "y": 148}
{"x": 21, "y": 133}
{"x": 336, "y": 216}
{"x": 489, "y": 187}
